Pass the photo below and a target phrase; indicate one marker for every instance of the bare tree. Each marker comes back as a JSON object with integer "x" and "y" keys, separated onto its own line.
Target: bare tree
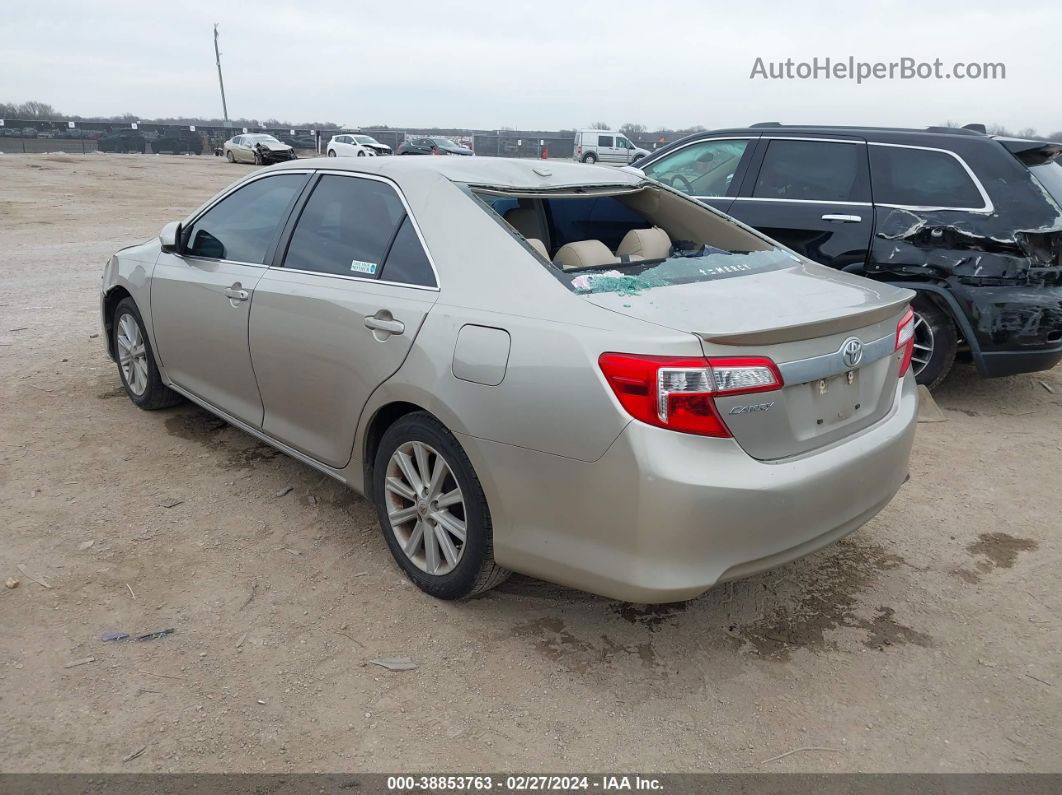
{"x": 599, "y": 125}
{"x": 1027, "y": 132}
{"x": 632, "y": 130}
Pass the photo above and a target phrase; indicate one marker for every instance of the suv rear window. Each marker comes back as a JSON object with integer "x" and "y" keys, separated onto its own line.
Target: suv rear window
{"x": 921, "y": 178}
{"x": 1050, "y": 176}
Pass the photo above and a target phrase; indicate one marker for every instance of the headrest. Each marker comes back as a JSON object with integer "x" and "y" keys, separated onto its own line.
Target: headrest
{"x": 645, "y": 244}
{"x": 524, "y": 220}
{"x": 584, "y": 254}
{"x": 538, "y": 246}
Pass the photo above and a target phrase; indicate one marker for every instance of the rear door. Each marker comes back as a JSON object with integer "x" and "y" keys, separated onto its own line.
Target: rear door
{"x": 338, "y": 312}
{"x": 710, "y": 169}
{"x": 201, "y": 297}
{"x": 812, "y": 195}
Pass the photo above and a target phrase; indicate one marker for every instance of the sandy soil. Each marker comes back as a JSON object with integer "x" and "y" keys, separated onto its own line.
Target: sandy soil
{"x": 929, "y": 640}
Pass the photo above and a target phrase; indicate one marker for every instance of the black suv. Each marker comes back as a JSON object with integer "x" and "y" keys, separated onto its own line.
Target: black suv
{"x": 971, "y": 221}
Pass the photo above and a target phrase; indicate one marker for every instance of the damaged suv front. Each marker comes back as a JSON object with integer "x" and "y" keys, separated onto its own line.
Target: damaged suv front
{"x": 997, "y": 270}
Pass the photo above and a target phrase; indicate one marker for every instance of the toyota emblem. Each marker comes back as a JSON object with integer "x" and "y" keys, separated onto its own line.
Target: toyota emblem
{"x": 852, "y": 352}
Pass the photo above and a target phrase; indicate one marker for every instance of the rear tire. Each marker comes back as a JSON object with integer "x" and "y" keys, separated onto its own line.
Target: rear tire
{"x": 464, "y": 570}
{"x": 590, "y": 158}
{"x": 229, "y": 157}
{"x": 936, "y": 342}
{"x": 141, "y": 379}
{"x": 331, "y": 152}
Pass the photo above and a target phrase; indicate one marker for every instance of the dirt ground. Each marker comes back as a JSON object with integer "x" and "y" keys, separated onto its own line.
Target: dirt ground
{"x": 930, "y": 640}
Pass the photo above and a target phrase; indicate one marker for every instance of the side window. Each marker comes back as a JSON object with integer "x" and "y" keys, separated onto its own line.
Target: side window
{"x": 622, "y": 143}
{"x": 604, "y": 140}
{"x": 813, "y": 171}
{"x": 345, "y": 227}
{"x": 701, "y": 169}
{"x": 406, "y": 261}
{"x": 921, "y": 178}
{"x": 242, "y": 226}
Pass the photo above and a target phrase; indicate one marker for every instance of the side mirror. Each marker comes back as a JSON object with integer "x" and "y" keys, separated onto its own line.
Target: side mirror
{"x": 169, "y": 236}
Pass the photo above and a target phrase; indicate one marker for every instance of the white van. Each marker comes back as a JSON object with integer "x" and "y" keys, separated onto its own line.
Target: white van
{"x": 604, "y": 146}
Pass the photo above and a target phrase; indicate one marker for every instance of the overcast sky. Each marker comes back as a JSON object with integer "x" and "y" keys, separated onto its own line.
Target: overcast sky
{"x": 530, "y": 65}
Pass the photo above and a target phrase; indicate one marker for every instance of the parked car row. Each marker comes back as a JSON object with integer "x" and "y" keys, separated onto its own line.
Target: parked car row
{"x": 970, "y": 221}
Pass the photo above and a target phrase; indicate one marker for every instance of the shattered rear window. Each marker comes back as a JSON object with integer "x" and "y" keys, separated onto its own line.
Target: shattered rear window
{"x": 700, "y": 244}
{"x": 687, "y": 268}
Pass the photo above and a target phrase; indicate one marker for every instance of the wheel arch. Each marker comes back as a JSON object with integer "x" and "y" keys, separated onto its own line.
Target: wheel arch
{"x": 111, "y": 299}
{"x": 382, "y": 419}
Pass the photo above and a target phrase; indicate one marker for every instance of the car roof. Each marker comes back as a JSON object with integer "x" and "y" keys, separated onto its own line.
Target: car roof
{"x": 495, "y": 172}
{"x": 836, "y": 130}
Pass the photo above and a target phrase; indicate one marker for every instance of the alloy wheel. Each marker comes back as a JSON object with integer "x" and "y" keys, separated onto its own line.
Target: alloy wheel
{"x": 923, "y": 344}
{"x": 425, "y": 508}
{"x": 132, "y": 354}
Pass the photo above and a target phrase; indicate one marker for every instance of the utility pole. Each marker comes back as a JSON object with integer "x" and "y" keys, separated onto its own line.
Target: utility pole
{"x": 221, "y": 81}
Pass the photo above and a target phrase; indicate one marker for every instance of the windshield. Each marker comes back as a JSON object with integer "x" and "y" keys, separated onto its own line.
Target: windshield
{"x": 1050, "y": 176}
{"x": 257, "y": 138}
{"x": 445, "y": 142}
{"x": 365, "y": 139}
{"x": 626, "y": 242}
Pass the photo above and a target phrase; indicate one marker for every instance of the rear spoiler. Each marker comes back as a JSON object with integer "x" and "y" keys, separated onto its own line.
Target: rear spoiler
{"x": 1032, "y": 153}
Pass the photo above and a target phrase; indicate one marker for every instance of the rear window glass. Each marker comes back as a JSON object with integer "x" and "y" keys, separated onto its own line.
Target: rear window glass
{"x": 921, "y": 178}
{"x": 1050, "y": 176}
{"x": 813, "y": 171}
{"x": 681, "y": 241}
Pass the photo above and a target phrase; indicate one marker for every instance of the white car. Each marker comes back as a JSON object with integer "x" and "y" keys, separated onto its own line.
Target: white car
{"x": 347, "y": 145}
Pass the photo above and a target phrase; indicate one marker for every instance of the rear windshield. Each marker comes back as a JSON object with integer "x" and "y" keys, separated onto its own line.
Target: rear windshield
{"x": 633, "y": 241}
{"x": 1050, "y": 176}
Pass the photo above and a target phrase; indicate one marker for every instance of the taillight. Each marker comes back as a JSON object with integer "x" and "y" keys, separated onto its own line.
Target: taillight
{"x": 578, "y": 150}
{"x": 905, "y": 340}
{"x": 678, "y": 393}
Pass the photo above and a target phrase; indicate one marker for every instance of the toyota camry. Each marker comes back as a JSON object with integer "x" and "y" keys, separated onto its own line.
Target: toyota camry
{"x": 567, "y": 371}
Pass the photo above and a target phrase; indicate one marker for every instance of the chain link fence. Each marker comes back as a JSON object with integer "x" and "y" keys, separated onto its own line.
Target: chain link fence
{"x": 85, "y": 137}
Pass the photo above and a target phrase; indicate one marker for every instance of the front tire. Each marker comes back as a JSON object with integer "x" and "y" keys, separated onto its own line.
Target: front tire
{"x": 361, "y": 153}
{"x": 136, "y": 361}
{"x": 433, "y": 511}
{"x": 935, "y": 344}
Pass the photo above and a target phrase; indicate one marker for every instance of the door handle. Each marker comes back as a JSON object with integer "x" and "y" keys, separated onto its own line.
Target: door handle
{"x": 235, "y": 293}
{"x": 383, "y": 321}
{"x": 842, "y": 219}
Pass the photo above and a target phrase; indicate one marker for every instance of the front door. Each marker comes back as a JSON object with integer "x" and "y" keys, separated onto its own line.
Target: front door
{"x": 201, "y": 297}
{"x": 814, "y": 197}
{"x": 340, "y": 315}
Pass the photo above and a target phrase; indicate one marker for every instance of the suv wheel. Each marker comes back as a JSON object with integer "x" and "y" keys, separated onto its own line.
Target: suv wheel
{"x": 935, "y": 342}
{"x": 433, "y": 511}
{"x": 590, "y": 158}
{"x": 136, "y": 362}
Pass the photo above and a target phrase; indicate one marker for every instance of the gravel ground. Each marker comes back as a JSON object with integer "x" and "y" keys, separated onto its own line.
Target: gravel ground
{"x": 927, "y": 641}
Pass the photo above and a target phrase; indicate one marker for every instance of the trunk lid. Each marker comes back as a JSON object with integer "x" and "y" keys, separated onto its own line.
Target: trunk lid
{"x": 802, "y": 316}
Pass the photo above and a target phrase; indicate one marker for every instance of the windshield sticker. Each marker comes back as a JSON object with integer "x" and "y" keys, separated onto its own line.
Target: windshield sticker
{"x": 357, "y": 266}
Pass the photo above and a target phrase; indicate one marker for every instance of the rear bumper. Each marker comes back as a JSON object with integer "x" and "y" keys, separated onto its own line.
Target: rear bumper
{"x": 999, "y": 363}
{"x": 1017, "y": 329}
{"x": 664, "y": 516}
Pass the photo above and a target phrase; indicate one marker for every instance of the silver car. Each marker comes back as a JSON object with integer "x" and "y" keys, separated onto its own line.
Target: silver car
{"x": 258, "y": 148}
{"x": 562, "y": 370}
